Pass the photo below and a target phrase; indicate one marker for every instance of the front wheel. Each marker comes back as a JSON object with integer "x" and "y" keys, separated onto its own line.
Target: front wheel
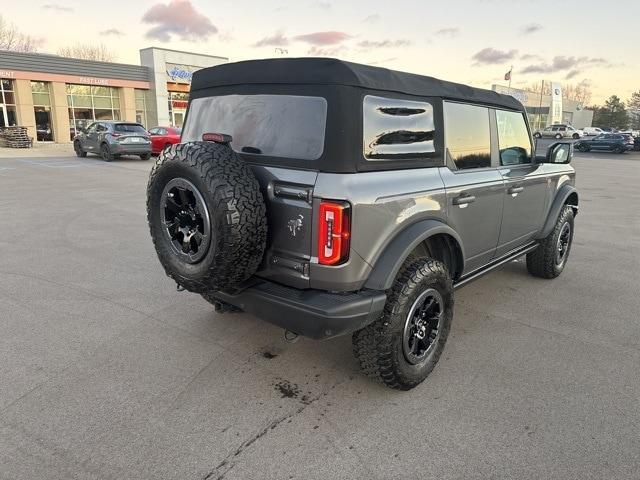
{"x": 558, "y": 136}
{"x": 576, "y": 135}
{"x": 537, "y": 135}
{"x": 105, "y": 153}
{"x": 78, "y": 149}
{"x": 550, "y": 258}
{"x": 402, "y": 347}
{"x": 618, "y": 149}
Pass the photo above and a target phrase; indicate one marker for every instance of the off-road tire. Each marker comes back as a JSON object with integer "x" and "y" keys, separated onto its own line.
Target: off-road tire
{"x": 220, "y": 306}
{"x": 145, "y": 156}
{"x": 236, "y": 211}
{"x": 542, "y": 261}
{"x": 77, "y": 147}
{"x": 378, "y": 347}
{"x": 105, "y": 153}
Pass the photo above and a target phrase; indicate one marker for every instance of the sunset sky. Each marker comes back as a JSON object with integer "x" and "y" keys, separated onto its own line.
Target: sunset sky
{"x": 473, "y": 42}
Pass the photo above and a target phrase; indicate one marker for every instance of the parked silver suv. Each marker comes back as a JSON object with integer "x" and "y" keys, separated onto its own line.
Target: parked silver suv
{"x": 559, "y": 131}
{"x": 331, "y": 198}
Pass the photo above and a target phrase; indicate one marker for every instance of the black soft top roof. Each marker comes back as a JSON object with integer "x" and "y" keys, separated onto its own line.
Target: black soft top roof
{"x": 330, "y": 71}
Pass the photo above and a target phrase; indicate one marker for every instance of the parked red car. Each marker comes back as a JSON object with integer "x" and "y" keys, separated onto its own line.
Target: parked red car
{"x": 162, "y": 137}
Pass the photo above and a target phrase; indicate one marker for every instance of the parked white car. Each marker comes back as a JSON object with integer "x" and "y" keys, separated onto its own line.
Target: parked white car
{"x": 593, "y": 131}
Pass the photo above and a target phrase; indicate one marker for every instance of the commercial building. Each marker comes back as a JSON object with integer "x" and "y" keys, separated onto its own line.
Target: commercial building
{"x": 540, "y": 107}
{"x": 54, "y": 96}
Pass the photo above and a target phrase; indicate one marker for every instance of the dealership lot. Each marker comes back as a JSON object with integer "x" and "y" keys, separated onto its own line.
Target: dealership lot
{"x": 108, "y": 372}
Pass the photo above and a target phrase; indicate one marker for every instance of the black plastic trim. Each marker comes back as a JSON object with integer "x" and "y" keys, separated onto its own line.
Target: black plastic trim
{"x": 315, "y": 314}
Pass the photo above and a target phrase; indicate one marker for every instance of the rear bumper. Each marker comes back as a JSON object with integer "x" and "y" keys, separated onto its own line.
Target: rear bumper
{"x": 312, "y": 313}
{"x": 131, "y": 148}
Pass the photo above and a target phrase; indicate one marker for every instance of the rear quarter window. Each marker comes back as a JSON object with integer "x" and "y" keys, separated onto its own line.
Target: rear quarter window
{"x": 397, "y": 129}
{"x": 285, "y": 126}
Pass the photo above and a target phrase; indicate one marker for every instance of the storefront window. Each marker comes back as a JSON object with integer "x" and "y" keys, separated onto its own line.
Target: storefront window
{"x": 42, "y": 111}
{"x": 141, "y": 107}
{"x": 178, "y": 107}
{"x": 90, "y": 103}
{"x": 7, "y": 104}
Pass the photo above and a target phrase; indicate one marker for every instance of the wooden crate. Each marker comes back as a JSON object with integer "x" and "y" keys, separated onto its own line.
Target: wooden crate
{"x": 15, "y": 137}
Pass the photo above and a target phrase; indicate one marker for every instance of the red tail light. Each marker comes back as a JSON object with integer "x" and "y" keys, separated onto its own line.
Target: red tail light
{"x": 334, "y": 233}
{"x": 116, "y": 134}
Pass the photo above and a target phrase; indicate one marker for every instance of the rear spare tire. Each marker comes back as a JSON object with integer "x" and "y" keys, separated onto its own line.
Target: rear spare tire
{"x": 206, "y": 215}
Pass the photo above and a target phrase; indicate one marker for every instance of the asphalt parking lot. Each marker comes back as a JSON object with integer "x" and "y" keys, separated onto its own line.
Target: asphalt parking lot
{"x": 107, "y": 372}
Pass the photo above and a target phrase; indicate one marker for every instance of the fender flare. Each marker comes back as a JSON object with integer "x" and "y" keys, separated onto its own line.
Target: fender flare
{"x": 558, "y": 202}
{"x": 388, "y": 264}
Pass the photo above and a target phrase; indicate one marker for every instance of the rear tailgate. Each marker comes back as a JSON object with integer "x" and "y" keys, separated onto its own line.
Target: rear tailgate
{"x": 288, "y": 195}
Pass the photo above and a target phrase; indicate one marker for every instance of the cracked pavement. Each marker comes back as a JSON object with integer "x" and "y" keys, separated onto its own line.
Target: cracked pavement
{"x": 107, "y": 372}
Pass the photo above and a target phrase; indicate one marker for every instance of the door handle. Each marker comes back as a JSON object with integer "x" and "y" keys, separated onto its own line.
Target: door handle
{"x": 463, "y": 200}
{"x": 514, "y": 191}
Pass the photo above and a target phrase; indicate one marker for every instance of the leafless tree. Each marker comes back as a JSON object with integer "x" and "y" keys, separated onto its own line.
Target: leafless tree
{"x": 99, "y": 53}
{"x": 14, "y": 40}
{"x": 580, "y": 92}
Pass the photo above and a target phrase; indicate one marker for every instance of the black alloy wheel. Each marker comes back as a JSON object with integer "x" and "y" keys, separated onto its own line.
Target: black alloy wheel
{"x": 564, "y": 241}
{"x": 105, "y": 153}
{"x": 422, "y": 326}
{"x": 186, "y": 220}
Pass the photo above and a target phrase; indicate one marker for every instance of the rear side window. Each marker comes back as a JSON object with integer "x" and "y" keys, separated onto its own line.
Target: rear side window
{"x": 129, "y": 128}
{"x": 397, "y": 129}
{"x": 285, "y": 126}
{"x": 467, "y": 135}
{"x": 513, "y": 138}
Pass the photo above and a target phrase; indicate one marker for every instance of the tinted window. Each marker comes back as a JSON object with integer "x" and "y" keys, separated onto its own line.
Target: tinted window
{"x": 101, "y": 128}
{"x": 284, "y": 126}
{"x": 513, "y": 138}
{"x": 397, "y": 129}
{"x": 467, "y": 135}
{"x": 154, "y": 131}
{"x": 129, "y": 128}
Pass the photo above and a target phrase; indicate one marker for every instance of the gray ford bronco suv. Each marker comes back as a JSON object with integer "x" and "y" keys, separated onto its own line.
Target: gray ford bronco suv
{"x": 332, "y": 198}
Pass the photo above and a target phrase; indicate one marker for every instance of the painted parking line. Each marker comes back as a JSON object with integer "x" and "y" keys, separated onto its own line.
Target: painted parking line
{"x": 57, "y": 164}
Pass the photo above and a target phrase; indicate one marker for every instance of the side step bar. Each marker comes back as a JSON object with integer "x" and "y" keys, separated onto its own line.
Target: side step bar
{"x": 470, "y": 277}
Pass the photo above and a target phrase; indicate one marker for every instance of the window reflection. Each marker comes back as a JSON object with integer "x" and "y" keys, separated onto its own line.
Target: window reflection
{"x": 396, "y": 129}
{"x": 468, "y": 135}
{"x": 513, "y": 138}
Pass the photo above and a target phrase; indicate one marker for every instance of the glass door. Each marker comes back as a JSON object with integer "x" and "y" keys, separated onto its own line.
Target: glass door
{"x": 4, "y": 121}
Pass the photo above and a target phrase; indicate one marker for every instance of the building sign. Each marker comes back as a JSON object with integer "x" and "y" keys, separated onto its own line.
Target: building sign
{"x": 94, "y": 81}
{"x": 179, "y": 103}
{"x": 556, "y": 103}
{"x": 7, "y": 74}
{"x": 180, "y": 73}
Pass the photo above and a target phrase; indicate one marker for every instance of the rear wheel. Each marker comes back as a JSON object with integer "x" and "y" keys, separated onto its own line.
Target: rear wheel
{"x": 583, "y": 148}
{"x": 576, "y": 135}
{"x": 403, "y": 346}
{"x": 537, "y": 135}
{"x": 105, "y": 153}
{"x": 558, "y": 136}
{"x": 618, "y": 149}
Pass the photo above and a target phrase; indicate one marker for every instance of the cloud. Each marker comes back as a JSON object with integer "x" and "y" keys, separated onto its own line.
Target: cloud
{"x": 531, "y": 28}
{"x": 57, "y": 8}
{"x": 448, "y": 32}
{"x": 111, "y": 31}
{"x": 326, "y": 51}
{"x": 323, "y": 38}
{"x": 560, "y": 63}
{"x": 179, "y": 18}
{"x": 491, "y": 56}
{"x": 278, "y": 39}
{"x": 387, "y": 43}
{"x": 572, "y": 74}
{"x": 373, "y": 18}
{"x": 322, "y": 5}
{"x": 530, "y": 56}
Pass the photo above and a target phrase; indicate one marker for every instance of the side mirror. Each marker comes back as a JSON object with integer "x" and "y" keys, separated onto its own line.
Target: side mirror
{"x": 559, "y": 153}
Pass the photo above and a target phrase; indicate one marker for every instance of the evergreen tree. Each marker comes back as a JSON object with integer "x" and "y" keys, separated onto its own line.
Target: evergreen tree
{"x": 633, "y": 106}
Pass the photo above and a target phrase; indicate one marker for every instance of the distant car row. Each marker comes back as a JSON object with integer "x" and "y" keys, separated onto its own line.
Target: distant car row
{"x": 111, "y": 139}
{"x": 612, "y": 142}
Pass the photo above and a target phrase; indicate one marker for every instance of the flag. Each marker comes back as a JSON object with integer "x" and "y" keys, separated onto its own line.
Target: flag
{"x": 507, "y": 76}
